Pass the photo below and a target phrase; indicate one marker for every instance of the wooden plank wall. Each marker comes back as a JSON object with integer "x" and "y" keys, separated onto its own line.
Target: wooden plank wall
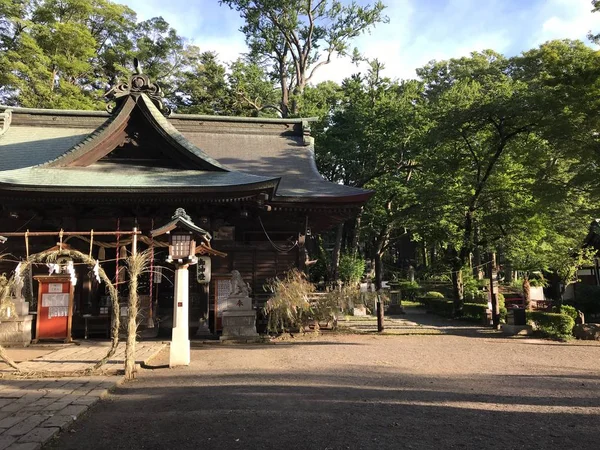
{"x": 257, "y": 264}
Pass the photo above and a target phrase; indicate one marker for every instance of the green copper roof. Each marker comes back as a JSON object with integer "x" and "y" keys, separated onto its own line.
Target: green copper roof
{"x": 116, "y": 177}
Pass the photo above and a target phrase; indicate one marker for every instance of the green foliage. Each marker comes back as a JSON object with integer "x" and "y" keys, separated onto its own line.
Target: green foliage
{"x": 439, "y": 306}
{"x": 295, "y": 37}
{"x": 478, "y": 296}
{"x": 474, "y": 311}
{"x": 587, "y": 299}
{"x": 433, "y": 294}
{"x": 289, "y": 307}
{"x": 409, "y": 289}
{"x": 568, "y": 311}
{"x": 556, "y": 326}
{"x": 351, "y": 269}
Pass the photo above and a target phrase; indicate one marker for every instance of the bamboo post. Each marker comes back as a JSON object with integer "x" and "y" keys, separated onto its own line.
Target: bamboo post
{"x": 134, "y": 242}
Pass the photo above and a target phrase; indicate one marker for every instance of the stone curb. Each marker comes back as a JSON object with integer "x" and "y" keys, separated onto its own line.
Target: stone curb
{"x": 22, "y": 431}
{"x": 31, "y": 432}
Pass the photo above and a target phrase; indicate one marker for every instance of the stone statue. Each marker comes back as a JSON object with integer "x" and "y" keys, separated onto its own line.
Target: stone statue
{"x": 238, "y": 285}
{"x": 239, "y": 319}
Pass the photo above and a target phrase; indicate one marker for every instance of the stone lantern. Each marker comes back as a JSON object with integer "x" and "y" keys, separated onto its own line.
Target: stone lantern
{"x": 182, "y": 234}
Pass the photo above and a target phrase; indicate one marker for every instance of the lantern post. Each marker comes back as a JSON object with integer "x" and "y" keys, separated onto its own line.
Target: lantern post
{"x": 182, "y": 254}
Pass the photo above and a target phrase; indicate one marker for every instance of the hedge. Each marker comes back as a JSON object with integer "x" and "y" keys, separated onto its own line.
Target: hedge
{"x": 568, "y": 311}
{"x": 557, "y": 326}
{"x": 439, "y": 306}
{"x": 474, "y": 311}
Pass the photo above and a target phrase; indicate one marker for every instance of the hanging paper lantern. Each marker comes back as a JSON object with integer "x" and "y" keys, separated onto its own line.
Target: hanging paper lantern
{"x": 101, "y": 254}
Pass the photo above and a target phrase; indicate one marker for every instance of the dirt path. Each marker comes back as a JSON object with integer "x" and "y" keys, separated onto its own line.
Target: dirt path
{"x": 358, "y": 392}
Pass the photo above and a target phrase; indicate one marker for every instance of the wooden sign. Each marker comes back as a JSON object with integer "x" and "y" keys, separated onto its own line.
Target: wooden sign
{"x": 203, "y": 270}
{"x": 54, "y": 307}
{"x": 225, "y": 233}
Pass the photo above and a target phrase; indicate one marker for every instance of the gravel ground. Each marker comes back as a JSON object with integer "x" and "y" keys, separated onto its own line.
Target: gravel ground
{"x": 358, "y": 392}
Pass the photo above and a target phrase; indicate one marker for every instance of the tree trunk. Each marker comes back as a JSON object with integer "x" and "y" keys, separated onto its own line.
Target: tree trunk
{"x": 477, "y": 272}
{"x": 425, "y": 257}
{"x": 335, "y": 257}
{"x": 356, "y": 236}
{"x": 130, "y": 371}
{"x": 378, "y": 270}
{"x": 457, "y": 290}
{"x": 508, "y": 272}
{"x": 526, "y": 292}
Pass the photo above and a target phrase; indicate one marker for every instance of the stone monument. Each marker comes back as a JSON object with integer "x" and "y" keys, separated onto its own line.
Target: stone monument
{"x": 15, "y": 325}
{"x": 239, "y": 319}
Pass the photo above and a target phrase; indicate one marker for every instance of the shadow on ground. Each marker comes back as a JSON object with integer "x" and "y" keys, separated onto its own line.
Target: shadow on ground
{"x": 352, "y": 407}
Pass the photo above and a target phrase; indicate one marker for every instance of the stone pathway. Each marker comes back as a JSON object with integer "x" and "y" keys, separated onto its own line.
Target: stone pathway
{"x": 32, "y": 411}
{"x": 84, "y": 356}
{"x": 415, "y": 321}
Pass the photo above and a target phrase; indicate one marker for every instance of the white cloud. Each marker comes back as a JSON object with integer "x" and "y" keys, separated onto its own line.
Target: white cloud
{"x": 566, "y": 19}
{"x": 419, "y": 30}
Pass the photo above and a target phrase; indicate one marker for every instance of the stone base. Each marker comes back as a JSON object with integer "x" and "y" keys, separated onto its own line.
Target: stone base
{"x": 179, "y": 353}
{"x": 587, "y": 331}
{"x": 239, "y": 325}
{"x": 203, "y": 329}
{"x": 394, "y": 310}
{"x": 516, "y": 330}
{"x": 16, "y": 331}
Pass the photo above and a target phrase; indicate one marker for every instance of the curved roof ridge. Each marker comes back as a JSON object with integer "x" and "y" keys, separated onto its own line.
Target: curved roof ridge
{"x": 50, "y": 112}
{"x": 80, "y": 147}
{"x": 162, "y": 124}
{"x": 180, "y": 116}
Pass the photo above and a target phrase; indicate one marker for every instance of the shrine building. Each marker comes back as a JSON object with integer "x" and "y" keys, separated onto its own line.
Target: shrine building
{"x": 251, "y": 183}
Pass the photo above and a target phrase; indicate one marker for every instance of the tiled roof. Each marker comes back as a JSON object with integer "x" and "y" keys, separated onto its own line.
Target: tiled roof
{"x": 115, "y": 177}
{"x": 253, "y": 149}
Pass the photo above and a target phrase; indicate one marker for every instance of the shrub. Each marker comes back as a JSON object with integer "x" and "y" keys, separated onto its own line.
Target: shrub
{"x": 440, "y": 306}
{"x": 568, "y": 311}
{"x": 351, "y": 269}
{"x": 289, "y": 307}
{"x": 477, "y": 296}
{"x": 345, "y": 298}
{"x": 557, "y": 326}
{"x": 433, "y": 294}
{"x": 475, "y": 311}
{"x": 324, "y": 308}
{"x": 408, "y": 289}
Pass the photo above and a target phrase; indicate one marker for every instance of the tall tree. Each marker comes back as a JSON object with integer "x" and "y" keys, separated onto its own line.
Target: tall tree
{"x": 372, "y": 141}
{"x": 502, "y": 128}
{"x": 296, "y": 37}
{"x": 50, "y": 50}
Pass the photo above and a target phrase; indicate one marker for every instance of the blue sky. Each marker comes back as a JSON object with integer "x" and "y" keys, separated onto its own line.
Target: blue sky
{"x": 419, "y": 30}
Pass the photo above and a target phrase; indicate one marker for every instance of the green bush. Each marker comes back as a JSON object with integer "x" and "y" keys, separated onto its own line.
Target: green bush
{"x": 587, "y": 299}
{"x": 475, "y": 311}
{"x": 433, "y": 294}
{"x": 408, "y": 289}
{"x": 351, "y": 269}
{"x": 556, "y": 326}
{"x": 568, "y": 311}
{"x": 440, "y": 306}
{"x": 477, "y": 296}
